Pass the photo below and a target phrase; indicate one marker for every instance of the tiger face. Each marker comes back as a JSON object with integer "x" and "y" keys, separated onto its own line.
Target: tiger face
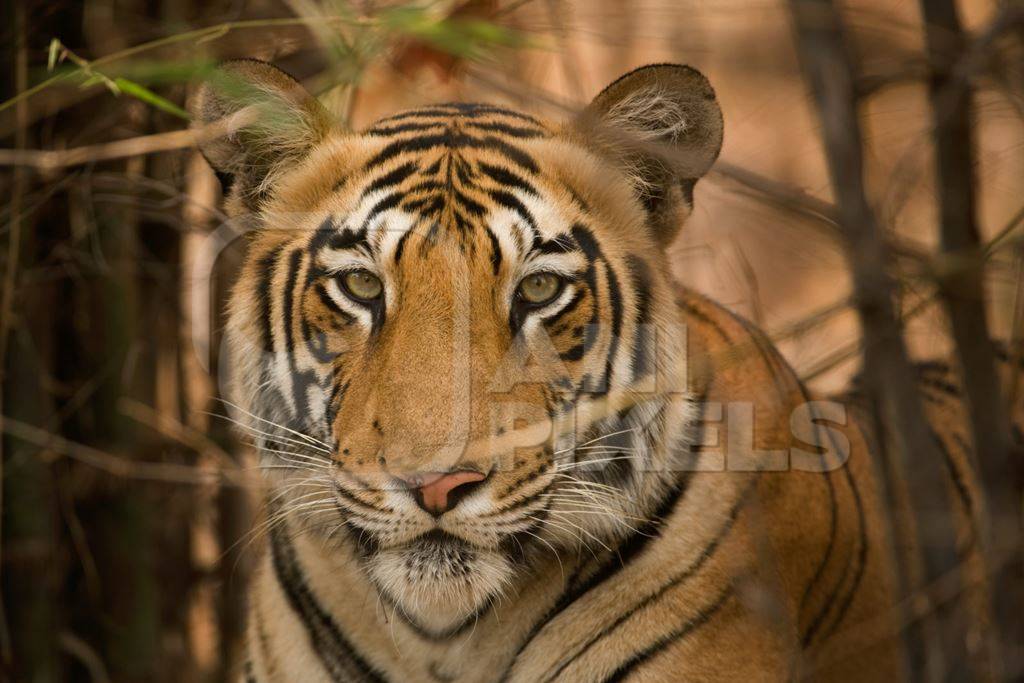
{"x": 454, "y": 334}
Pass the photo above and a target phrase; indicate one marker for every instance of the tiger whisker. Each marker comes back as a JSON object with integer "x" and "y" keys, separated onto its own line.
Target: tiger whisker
{"x": 302, "y": 435}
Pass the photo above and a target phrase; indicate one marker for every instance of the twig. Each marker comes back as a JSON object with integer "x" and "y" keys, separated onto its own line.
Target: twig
{"x": 51, "y": 160}
{"x": 119, "y": 466}
{"x": 166, "y": 424}
{"x": 85, "y": 654}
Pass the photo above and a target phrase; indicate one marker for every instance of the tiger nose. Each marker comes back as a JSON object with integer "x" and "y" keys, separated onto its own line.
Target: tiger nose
{"x": 438, "y": 492}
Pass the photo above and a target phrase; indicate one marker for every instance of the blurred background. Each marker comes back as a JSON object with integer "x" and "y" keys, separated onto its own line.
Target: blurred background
{"x": 126, "y": 499}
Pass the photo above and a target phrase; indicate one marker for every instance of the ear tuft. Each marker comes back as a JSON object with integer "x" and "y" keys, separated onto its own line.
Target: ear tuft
{"x": 661, "y": 123}
{"x": 279, "y": 122}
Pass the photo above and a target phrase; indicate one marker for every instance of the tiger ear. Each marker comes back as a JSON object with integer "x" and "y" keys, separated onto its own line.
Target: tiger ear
{"x": 662, "y": 125}
{"x": 270, "y": 119}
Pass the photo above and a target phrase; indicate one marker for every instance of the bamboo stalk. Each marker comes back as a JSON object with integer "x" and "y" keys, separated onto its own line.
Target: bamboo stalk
{"x": 906, "y": 440}
{"x": 962, "y": 291}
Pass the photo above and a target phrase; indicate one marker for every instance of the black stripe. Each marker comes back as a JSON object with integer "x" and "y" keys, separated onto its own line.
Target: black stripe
{"x": 426, "y": 186}
{"x": 514, "y": 154}
{"x": 450, "y": 109}
{"x": 674, "y": 582}
{"x": 506, "y": 178}
{"x": 769, "y": 356}
{"x": 644, "y": 337}
{"x": 512, "y": 203}
{"x": 429, "y": 205}
{"x": 819, "y": 571}
{"x": 562, "y": 244}
{"x": 385, "y": 204}
{"x": 703, "y": 317}
{"x": 585, "y": 239}
{"x": 338, "y": 392}
{"x": 859, "y": 558}
{"x": 476, "y": 109}
{"x": 288, "y": 299}
{"x": 573, "y": 354}
{"x": 400, "y": 247}
{"x": 472, "y": 206}
{"x": 338, "y": 655}
{"x": 574, "y": 302}
{"x": 624, "y": 554}
{"x": 645, "y": 655}
{"x": 844, "y": 603}
{"x": 391, "y": 178}
{"x": 615, "y": 298}
{"x": 349, "y": 238}
{"x": 436, "y": 111}
{"x": 452, "y": 140}
{"x": 301, "y": 379}
{"x": 346, "y": 495}
{"x": 506, "y": 129}
{"x": 322, "y": 235}
{"x": 327, "y": 301}
{"x": 267, "y": 269}
{"x": 384, "y": 131}
{"x": 495, "y": 250}
{"x": 316, "y": 342}
{"x": 522, "y": 502}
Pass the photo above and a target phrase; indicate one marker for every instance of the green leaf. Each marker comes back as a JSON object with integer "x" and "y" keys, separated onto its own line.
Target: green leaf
{"x": 144, "y": 94}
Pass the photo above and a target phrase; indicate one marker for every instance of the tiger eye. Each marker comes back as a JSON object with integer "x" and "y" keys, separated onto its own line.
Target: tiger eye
{"x": 540, "y": 288}
{"x": 362, "y": 284}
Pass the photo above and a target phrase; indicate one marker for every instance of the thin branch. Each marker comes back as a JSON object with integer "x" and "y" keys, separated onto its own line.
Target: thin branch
{"x": 118, "y": 466}
{"x": 52, "y": 160}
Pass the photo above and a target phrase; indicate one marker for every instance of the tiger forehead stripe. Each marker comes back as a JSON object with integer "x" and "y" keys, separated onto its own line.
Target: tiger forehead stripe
{"x": 466, "y": 110}
{"x": 454, "y": 127}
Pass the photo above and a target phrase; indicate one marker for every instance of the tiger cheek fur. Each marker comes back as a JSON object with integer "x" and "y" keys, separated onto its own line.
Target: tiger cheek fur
{"x": 489, "y": 419}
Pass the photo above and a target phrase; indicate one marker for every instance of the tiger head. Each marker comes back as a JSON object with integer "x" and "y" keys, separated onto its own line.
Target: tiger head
{"x": 454, "y": 333}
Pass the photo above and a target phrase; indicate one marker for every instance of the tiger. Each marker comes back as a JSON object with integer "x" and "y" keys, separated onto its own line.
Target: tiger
{"x": 500, "y": 443}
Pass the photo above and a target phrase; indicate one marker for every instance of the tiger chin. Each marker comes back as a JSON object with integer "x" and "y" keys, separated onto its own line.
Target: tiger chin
{"x": 499, "y": 442}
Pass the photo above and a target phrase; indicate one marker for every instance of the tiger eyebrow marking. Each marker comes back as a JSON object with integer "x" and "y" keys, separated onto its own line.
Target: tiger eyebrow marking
{"x": 385, "y": 204}
{"x": 509, "y": 201}
{"x": 561, "y": 244}
{"x": 329, "y": 234}
{"x": 349, "y": 239}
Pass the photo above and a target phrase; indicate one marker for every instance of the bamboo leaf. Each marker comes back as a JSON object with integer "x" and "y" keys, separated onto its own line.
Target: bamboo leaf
{"x": 51, "y": 59}
{"x": 144, "y": 94}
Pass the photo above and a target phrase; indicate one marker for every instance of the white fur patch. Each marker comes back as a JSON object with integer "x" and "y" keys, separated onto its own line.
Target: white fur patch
{"x": 439, "y": 584}
{"x": 649, "y": 114}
